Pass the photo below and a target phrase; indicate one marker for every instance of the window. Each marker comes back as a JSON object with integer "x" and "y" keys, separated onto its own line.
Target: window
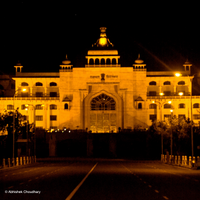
{"x": 39, "y": 94}
{"x": 152, "y": 83}
{"x": 103, "y": 102}
{"x": 166, "y": 83}
{"x": 66, "y": 107}
{"x": 181, "y": 105}
{"x": 24, "y": 84}
{"x": 10, "y": 107}
{"x": 53, "y": 117}
{"x": 39, "y": 107}
{"x": 53, "y": 94}
{"x": 181, "y": 116}
{"x": 152, "y": 117}
{"x": 53, "y": 84}
{"x": 53, "y": 107}
{"x": 196, "y": 105}
{"x": 152, "y": 106}
{"x": 24, "y": 94}
{"x": 91, "y": 62}
{"x": 167, "y": 93}
{"x": 196, "y": 116}
{"x": 167, "y": 105}
{"x": 167, "y": 116}
{"x": 39, "y": 118}
{"x": 181, "y": 83}
{"x": 139, "y": 105}
{"x": 102, "y": 61}
{"x": 97, "y": 61}
{"x": 152, "y": 93}
{"x": 38, "y": 84}
{"x": 23, "y": 107}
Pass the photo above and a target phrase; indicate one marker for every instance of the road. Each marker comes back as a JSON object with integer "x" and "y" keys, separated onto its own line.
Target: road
{"x": 100, "y": 179}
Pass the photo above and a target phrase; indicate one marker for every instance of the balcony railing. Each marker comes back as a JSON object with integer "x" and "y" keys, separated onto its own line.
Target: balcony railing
{"x": 32, "y": 97}
{"x": 167, "y": 96}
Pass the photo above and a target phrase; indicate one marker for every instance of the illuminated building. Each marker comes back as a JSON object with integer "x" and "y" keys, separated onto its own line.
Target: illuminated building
{"x": 103, "y": 95}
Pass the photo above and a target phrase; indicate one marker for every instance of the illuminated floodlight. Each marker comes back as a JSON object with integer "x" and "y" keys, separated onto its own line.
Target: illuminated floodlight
{"x": 24, "y": 90}
{"x": 171, "y": 111}
{"x": 178, "y": 74}
{"x": 153, "y": 102}
{"x": 169, "y": 102}
{"x": 180, "y": 93}
{"x": 161, "y": 93}
{"x": 69, "y": 131}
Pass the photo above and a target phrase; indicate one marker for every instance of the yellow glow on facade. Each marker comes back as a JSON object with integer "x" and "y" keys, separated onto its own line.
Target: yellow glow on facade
{"x": 180, "y": 93}
{"x": 161, "y": 93}
{"x": 169, "y": 102}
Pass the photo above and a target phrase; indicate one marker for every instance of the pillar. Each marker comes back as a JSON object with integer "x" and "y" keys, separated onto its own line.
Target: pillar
{"x": 17, "y": 161}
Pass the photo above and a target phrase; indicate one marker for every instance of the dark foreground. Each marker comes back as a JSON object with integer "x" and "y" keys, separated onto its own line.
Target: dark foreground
{"x": 100, "y": 179}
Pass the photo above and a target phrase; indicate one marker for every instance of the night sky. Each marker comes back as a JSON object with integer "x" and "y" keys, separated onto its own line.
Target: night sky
{"x": 40, "y": 34}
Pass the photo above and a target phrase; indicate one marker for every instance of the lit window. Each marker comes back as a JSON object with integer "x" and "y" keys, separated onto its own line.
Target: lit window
{"x": 24, "y": 84}
{"x": 38, "y": 84}
{"x": 10, "y": 107}
{"x": 53, "y": 107}
{"x": 153, "y": 117}
{"x": 181, "y": 105}
{"x": 39, "y": 118}
{"x": 196, "y": 105}
{"x": 152, "y": 83}
{"x": 53, "y": 117}
{"x": 167, "y": 105}
{"x": 103, "y": 102}
{"x": 152, "y": 106}
{"x": 181, "y": 83}
{"x": 39, "y": 107}
{"x": 166, "y": 83}
{"x": 53, "y": 84}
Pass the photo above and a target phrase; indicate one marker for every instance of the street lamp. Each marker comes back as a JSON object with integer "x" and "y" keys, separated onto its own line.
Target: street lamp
{"x": 192, "y": 142}
{"x": 13, "y": 158}
{"x": 160, "y": 108}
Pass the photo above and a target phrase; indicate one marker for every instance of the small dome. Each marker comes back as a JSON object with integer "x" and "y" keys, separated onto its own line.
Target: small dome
{"x": 66, "y": 61}
{"x": 18, "y": 63}
{"x": 138, "y": 60}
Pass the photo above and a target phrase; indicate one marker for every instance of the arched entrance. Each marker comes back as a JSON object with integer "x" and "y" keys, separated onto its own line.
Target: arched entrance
{"x": 103, "y": 117}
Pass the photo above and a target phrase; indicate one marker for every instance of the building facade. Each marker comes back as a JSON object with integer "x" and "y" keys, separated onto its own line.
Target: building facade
{"x": 103, "y": 95}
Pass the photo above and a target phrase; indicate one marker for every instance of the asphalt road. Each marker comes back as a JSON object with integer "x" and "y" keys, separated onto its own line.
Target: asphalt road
{"x": 100, "y": 179}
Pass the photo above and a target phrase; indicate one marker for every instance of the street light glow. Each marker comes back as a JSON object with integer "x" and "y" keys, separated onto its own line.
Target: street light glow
{"x": 180, "y": 93}
{"x": 178, "y": 74}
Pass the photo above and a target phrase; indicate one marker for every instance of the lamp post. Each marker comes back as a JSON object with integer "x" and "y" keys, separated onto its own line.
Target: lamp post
{"x": 160, "y": 108}
{"x": 13, "y": 156}
{"x": 191, "y": 117}
{"x": 34, "y": 120}
{"x": 171, "y": 134}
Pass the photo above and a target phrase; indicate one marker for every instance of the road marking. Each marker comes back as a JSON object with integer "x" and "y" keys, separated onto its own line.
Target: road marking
{"x": 29, "y": 180}
{"x": 150, "y": 186}
{"x": 165, "y": 197}
{"x": 156, "y": 191}
{"x": 79, "y": 185}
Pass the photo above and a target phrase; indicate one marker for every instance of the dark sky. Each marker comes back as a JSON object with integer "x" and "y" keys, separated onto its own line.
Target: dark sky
{"x": 40, "y": 34}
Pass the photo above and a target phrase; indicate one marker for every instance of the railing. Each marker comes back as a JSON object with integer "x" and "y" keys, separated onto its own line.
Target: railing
{"x": 32, "y": 97}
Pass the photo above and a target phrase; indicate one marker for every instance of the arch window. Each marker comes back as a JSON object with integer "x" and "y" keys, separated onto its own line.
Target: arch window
{"x": 167, "y": 83}
{"x": 53, "y": 84}
{"x": 167, "y": 105}
{"x": 114, "y": 61}
{"x": 10, "y": 107}
{"x": 91, "y": 61}
{"x": 181, "y": 105}
{"x": 23, "y": 107}
{"x": 152, "y": 83}
{"x": 108, "y": 61}
{"x": 139, "y": 105}
{"x": 196, "y": 105}
{"x": 181, "y": 83}
{"x": 39, "y": 107}
{"x": 66, "y": 106}
{"x": 24, "y": 84}
{"x": 103, "y": 61}
{"x": 103, "y": 102}
{"x": 38, "y": 84}
{"x": 53, "y": 107}
{"x": 152, "y": 106}
{"x": 97, "y": 61}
